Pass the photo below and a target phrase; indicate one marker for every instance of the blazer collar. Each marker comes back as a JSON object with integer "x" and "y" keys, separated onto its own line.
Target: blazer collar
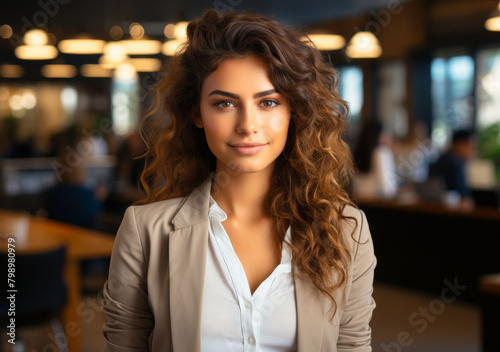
{"x": 195, "y": 207}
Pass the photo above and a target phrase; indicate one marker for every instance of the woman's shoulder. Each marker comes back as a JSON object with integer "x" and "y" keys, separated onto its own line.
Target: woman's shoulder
{"x": 151, "y": 218}
{"x": 355, "y": 226}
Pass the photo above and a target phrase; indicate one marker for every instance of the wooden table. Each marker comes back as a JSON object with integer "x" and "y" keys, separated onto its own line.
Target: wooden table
{"x": 37, "y": 234}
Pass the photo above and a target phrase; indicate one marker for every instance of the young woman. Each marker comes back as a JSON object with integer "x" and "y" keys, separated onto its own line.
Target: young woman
{"x": 247, "y": 239}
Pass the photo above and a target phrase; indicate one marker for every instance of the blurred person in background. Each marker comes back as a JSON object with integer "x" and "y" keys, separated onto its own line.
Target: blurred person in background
{"x": 376, "y": 176}
{"x": 70, "y": 200}
{"x": 450, "y": 167}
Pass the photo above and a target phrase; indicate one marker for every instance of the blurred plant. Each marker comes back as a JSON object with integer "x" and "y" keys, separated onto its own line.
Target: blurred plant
{"x": 489, "y": 142}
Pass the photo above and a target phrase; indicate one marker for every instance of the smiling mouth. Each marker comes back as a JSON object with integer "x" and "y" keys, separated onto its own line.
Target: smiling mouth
{"x": 248, "y": 148}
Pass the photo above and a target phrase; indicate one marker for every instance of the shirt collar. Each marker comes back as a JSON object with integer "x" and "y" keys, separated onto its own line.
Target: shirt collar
{"x": 216, "y": 213}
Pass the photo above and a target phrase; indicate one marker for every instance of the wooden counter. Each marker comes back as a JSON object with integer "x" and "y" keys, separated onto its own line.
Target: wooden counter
{"x": 420, "y": 245}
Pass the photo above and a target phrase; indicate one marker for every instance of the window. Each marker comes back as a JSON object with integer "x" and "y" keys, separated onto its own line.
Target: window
{"x": 391, "y": 96}
{"x": 452, "y": 89}
{"x": 351, "y": 90}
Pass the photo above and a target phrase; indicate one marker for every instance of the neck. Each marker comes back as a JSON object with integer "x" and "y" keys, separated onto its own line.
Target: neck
{"x": 241, "y": 195}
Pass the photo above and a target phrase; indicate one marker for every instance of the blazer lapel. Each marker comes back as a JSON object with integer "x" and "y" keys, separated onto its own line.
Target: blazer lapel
{"x": 187, "y": 257}
{"x": 310, "y": 316}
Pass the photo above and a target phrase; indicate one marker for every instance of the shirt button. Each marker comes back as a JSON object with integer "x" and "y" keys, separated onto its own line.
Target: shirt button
{"x": 251, "y": 340}
{"x": 248, "y": 305}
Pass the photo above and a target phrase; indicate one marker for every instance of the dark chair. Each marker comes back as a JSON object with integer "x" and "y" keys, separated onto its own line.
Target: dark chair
{"x": 41, "y": 291}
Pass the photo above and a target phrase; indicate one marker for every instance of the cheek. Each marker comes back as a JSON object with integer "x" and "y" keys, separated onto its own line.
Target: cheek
{"x": 278, "y": 125}
{"x": 215, "y": 130}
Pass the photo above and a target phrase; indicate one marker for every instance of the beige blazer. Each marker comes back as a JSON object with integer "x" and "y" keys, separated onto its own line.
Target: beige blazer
{"x": 153, "y": 296}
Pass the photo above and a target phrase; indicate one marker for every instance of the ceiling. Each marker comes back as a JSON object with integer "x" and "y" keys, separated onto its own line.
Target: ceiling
{"x": 95, "y": 15}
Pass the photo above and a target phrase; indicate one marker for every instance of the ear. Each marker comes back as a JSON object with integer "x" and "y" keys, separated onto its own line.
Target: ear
{"x": 196, "y": 117}
{"x": 198, "y": 122}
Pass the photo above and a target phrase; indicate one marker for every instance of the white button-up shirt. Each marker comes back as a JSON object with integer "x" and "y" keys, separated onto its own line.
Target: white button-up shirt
{"x": 232, "y": 318}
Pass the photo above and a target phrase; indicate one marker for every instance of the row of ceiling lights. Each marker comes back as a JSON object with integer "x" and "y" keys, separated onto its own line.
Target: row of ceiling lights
{"x": 37, "y": 47}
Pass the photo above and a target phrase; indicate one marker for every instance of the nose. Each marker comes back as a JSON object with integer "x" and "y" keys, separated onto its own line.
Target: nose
{"x": 248, "y": 121}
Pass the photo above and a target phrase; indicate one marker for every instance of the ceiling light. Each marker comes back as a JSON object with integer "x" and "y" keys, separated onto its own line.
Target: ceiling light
{"x": 36, "y": 37}
{"x": 363, "y": 45}
{"x": 82, "y": 44}
{"x": 5, "y": 31}
{"x": 125, "y": 72}
{"x": 146, "y": 64}
{"x": 327, "y": 41}
{"x": 36, "y": 47}
{"x": 11, "y": 71}
{"x": 169, "y": 31}
{"x": 142, "y": 46}
{"x": 493, "y": 22}
{"x": 172, "y": 47}
{"x": 116, "y": 33}
{"x": 180, "y": 31}
{"x": 93, "y": 70}
{"x": 136, "y": 30}
{"x": 114, "y": 54}
{"x": 36, "y": 52}
{"x": 58, "y": 71}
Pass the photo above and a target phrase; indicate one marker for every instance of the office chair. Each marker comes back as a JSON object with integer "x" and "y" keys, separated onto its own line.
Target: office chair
{"x": 41, "y": 292}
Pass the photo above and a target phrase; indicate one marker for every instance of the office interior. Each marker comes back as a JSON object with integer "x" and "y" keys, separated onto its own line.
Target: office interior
{"x": 421, "y": 69}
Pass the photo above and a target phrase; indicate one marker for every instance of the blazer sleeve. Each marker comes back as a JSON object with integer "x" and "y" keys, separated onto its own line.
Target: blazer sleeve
{"x": 129, "y": 320}
{"x": 354, "y": 329}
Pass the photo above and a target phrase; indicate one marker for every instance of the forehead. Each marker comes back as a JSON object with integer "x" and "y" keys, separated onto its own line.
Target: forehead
{"x": 236, "y": 75}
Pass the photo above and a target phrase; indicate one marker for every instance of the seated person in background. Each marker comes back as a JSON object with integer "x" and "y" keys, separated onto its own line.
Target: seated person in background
{"x": 450, "y": 166}
{"x": 376, "y": 177}
{"x": 70, "y": 200}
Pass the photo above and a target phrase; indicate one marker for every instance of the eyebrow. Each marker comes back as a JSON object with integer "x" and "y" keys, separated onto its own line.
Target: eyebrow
{"x": 236, "y": 96}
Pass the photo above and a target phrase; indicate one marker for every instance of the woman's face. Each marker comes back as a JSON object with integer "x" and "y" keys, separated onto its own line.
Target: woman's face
{"x": 245, "y": 119}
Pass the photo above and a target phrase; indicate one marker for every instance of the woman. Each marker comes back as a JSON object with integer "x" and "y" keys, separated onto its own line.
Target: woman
{"x": 374, "y": 158}
{"x": 246, "y": 239}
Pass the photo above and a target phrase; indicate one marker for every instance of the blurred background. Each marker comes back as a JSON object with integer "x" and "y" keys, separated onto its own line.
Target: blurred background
{"x": 422, "y": 79}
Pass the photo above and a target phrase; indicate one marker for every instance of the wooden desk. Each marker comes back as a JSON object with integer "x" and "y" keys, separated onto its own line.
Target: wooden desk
{"x": 38, "y": 234}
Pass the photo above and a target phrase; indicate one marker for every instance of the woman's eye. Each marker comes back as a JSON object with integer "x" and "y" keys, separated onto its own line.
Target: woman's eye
{"x": 269, "y": 103}
{"x": 224, "y": 104}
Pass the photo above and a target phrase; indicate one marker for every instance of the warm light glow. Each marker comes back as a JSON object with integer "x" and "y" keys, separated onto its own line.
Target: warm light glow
{"x": 59, "y": 71}
{"x": 28, "y": 99}
{"x": 125, "y": 72}
{"x": 172, "y": 47}
{"x": 11, "y": 71}
{"x": 169, "y": 31}
{"x": 114, "y": 54}
{"x": 364, "y": 45}
{"x": 36, "y": 52}
{"x": 136, "y": 30}
{"x": 146, "y": 64}
{"x": 327, "y": 41}
{"x": 81, "y": 46}
{"x": 93, "y": 70}
{"x": 116, "y": 33}
{"x": 493, "y": 22}
{"x": 142, "y": 46}
{"x": 36, "y": 37}
{"x": 16, "y": 102}
{"x": 180, "y": 31}
{"x": 5, "y": 31}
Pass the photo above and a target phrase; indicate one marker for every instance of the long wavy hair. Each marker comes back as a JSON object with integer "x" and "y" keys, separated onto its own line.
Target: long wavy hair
{"x": 310, "y": 177}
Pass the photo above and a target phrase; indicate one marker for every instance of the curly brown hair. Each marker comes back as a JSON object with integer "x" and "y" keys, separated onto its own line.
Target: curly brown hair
{"x": 310, "y": 177}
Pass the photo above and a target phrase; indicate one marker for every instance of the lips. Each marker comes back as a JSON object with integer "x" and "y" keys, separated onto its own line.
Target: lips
{"x": 248, "y": 148}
